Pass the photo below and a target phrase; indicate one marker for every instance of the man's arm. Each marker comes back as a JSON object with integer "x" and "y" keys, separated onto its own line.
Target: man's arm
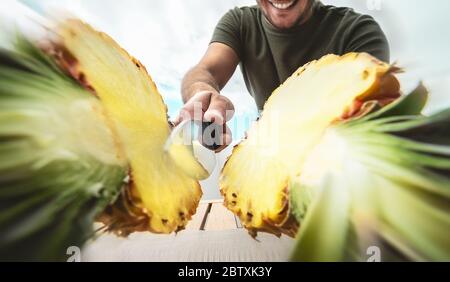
{"x": 202, "y": 85}
{"x": 212, "y": 72}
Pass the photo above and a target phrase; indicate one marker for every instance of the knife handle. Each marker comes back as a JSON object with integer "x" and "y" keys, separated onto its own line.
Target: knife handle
{"x": 211, "y": 135}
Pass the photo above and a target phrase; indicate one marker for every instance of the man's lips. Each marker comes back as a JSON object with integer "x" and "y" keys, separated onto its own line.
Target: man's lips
{"x": 282, "y": 5}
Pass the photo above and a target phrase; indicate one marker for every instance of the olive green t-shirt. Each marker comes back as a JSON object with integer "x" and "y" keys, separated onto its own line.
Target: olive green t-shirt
{"x": 268, "y": 56}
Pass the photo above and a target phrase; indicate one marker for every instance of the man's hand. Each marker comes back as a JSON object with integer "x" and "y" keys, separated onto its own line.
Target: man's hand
{"x": 209, "y": 106}
{"x": 201, "y": 86}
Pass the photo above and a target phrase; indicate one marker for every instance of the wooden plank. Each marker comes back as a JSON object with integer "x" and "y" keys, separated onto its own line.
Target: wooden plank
{"x": 198, "y": 218}
{"x": 238, "y": 222}
{"x": 219, "y": 218}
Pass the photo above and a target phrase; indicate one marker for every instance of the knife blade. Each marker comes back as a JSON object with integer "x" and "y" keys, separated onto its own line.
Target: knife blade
{"x": 187, "y": 137}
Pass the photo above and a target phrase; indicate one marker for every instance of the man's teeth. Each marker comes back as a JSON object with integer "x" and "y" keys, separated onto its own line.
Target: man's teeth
{"x": 282, "y": 6}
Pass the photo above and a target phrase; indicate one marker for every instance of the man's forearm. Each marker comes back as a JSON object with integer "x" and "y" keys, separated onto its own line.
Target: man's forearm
{"x": 196, "y": 80}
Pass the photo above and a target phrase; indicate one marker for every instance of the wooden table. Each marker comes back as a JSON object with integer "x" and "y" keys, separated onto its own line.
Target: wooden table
{"x": 213, "y": 235}
{"x": 213, "y": 216}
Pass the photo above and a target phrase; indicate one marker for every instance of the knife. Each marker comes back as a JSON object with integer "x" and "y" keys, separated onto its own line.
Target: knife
{"x": 200, "y": 139}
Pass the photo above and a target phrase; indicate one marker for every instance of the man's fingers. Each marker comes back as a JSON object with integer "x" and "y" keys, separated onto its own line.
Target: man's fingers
{"x": 206, "y": 106}
{"x": 200, "y": 101}
{"x": 210, "y": 107}
{"x": 215, "y": 137}
{"x": 220, "y": 110}
{"x": 185, "y": 114}
{"x": 194, "y": 108}
{"x": 177, "y": 120}
{"x": 227, "y": 139}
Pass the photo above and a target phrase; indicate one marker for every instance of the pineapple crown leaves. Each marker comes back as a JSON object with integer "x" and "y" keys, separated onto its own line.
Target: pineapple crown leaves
{"x": 408, "y": 105}
{"x": 51, "y": 189}
{"x": 392, "y": 191}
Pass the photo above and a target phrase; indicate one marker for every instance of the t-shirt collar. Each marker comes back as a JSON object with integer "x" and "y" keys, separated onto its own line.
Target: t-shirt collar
{"x": 269, "y": 26}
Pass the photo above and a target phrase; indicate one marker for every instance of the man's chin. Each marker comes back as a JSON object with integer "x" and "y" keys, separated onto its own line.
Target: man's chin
{"x": 283, "y": 19}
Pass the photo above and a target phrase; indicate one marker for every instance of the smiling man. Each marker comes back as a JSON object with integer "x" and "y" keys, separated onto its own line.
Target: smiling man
{"x": 270, "y": 41}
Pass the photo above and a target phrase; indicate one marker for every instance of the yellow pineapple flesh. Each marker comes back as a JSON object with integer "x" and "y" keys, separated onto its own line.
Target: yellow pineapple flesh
{"x": 255, "y": 180}
{"x": 161, "y": 196}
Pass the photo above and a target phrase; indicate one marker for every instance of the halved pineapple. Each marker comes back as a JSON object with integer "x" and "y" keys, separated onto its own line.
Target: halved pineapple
{"x": 83, "y": 129}
{"x": 161, "y": 196}
{"x": 255, "y": 180}
{"x": 358, "y": 169}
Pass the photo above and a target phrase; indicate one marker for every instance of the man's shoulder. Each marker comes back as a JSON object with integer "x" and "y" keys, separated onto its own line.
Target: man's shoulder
{"x": 358, "y": 32}
{"x": 343, "y": 15}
